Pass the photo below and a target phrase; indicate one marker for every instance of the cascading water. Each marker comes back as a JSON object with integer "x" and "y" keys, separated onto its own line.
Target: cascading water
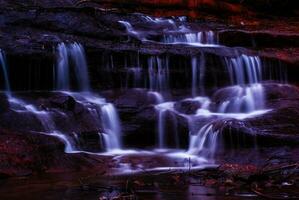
{"x": 78, "y": 57}
{"x": 243, "y": 99}
{"x": 204, "y": 143}
{"x": 112, "y": 127}
{"x": 245, "y": 96}
{"x": 198, "y": 73}
{"x": 130, "y": 29}
{"x": 199, "y": 38}
{"x": 63, "y": 79}
{"x": 5, "y": 74}
{"x": 173, "y": 32}
{"x": 158, "y": 72}
{"x": 110, "y": 121}
{"x": 71, "y": 54}
{"x": 45, "y": 118}
{"x": 244, "y": 69}
{"x": 164, "y": 111}
{"x": 248, "y": 95}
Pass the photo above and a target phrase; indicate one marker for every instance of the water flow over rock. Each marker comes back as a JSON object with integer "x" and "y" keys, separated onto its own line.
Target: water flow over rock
{"x": 71, "y": 58}
{"x": 5, "y": 73}
{"x": 198, "y": 74}
{"x": 158, "y": 71}
{"x": 74, "y": 54}
{"x": 48, "y": 124}
{"x": 204, "y": 143}
{"x": 170, "y": 31}
{"x": 245, "y": 72}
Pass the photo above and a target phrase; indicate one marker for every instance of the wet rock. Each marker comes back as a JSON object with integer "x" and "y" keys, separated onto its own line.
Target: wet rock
{"x": 4, "y": 104}
{"x": 134, "y": 99}
{"x": 20, "y": 121}
{"x": 27, "y": 153}
{"x": 187, "y": 106}
{"x": 280, "y": 92}
{"x": 89, "y": 141}
{"x": 62, "y": 101}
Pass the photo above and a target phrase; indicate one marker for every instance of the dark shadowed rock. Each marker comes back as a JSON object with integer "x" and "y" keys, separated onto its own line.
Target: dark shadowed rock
{"x": 63, "y": 101}
{"x": 27, "y": 153}
{"x": 187, "y": 106}
{"x": 4, "y": 104}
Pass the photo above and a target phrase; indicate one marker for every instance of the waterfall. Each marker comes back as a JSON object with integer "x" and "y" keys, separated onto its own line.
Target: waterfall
{"x": 248, "y": 95}
{"x": 130, "y": 29}
{"x": 158, "y": 72}
{"x": 5, "y": 74}
{"x": 244, "y": 69}
{"x": 111, "y": 126}
{"x": 204, "y": 143}
{"x": 106, "y": 114}
{"x": 46, "y": 121}
{"x": 245, "y": 96}
{"x": 198, "y": 73}
{"x": 78, "y": 57}
{"x": 165, "y": 110}
{"x": 243, "y": 99}
{"x": 71, "y": 55}
{"x": 63, "y": 79}
{"x": 199, "y": 38}
{"x": 172, "y": 32}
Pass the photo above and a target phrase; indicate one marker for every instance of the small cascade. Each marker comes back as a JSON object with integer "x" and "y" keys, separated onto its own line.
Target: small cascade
{"x": 172, "y": 32}
{"x": 244, "y": 69}
{"x": 161, "y": 21}
{"x": 165, "y": 112}
{"x": 71, "y": 58}
{"x": 69, "y": 148}
{"x": 63, "y": 79}
{"x": 105, "y": 115}
{"x": 5, "y": 74}
{"x": 78, "y": 57}
{"x": 243, "y": 99}
{"x": 158, "y": 73}
{"x": 198, "y": 74}
{"x": 46, "y": 121}
{"x": 248, "y": 95}
{"x": 204, "y": 143}
{"x": 73, "y": 55}
{"x": 111, "y": 126}
{"x": 130, "y": 29}
{"x": 245, "y": 96}
{"x": 200, "y": 38}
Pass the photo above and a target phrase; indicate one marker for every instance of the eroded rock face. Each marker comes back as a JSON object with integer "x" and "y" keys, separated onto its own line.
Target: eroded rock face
{"x": 187, "y": 106}
{"x": 25, "y": 153}
{"x": 46, "y": 112}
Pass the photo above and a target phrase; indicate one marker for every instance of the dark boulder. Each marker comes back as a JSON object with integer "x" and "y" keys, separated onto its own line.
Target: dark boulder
{"x": 27, "y": 153}
{"x": 187, "y": 106}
